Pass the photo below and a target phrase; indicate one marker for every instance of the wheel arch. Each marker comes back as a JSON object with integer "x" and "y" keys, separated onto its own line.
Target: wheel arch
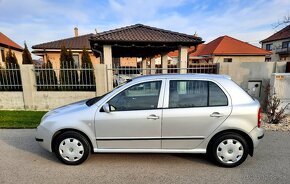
{"x": 239, "y": 132}
{"x": 59, "y": 132}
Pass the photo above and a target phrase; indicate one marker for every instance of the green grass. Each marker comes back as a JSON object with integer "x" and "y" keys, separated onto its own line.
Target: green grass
{"x": 20, "y": 119}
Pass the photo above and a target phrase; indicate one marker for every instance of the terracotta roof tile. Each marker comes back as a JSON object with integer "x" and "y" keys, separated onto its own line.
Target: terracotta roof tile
{"x": 78, "y": 42}
{"x": 226, "y": 45}
{"x": 143, "y": 33}
{"x": 5, "y": 41}
{"x": 282, "y": 34}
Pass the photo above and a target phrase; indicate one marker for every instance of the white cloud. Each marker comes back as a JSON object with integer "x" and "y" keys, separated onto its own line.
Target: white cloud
{"x": 38, "y": 21}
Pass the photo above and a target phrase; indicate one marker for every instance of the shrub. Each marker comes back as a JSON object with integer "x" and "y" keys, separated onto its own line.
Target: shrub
{"x": 272, "y": 103}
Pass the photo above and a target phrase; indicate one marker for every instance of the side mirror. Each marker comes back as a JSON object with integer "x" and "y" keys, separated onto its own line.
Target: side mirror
{"x": 106, "y": 107}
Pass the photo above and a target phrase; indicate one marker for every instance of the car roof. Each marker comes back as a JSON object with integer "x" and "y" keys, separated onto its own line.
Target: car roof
{"x": 182, "y": 76}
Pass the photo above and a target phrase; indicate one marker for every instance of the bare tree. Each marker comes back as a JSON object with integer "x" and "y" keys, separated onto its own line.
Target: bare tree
{"x": 284, "y": 22}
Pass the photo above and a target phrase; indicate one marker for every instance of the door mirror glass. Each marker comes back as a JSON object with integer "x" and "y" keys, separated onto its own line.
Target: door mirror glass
{"x": 106, "y": 107}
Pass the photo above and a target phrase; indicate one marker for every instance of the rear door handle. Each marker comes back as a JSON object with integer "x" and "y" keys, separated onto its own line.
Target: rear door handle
{"x": 153, "y": 116}
{"x": 216, "y": 114}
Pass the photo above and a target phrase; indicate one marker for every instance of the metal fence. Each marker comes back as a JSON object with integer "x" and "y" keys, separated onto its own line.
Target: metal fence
{"x": 122, "y": 74}
{"x": 70, "y": 78}
{"x": 10, "y": 78}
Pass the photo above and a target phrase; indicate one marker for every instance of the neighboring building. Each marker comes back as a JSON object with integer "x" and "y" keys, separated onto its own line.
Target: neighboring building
{"x": 77, "y": 43}
{"x": 279, "y": 45}
{"x": 5, "y": 44}
{"x": 223, "y": 49}
{"x": 228, "y": 49}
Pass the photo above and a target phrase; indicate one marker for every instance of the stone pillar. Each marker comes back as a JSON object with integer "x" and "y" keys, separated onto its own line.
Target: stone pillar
{"x": 28, "y": 85}
{"x": 144, "y": 66}
{"x": 108, "y": 61}
{"x": 152, "y": 66}
{"x": 164, "y": 63}
{"x": 101, "y": 79}
{"x": 183, "y": 59}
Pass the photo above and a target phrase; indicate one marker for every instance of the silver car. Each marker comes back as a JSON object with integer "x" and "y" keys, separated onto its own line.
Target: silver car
{"x": 190, "y": 113}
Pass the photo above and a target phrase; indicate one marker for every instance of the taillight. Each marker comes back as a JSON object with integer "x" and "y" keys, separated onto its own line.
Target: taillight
{"x": 259, "y": 117}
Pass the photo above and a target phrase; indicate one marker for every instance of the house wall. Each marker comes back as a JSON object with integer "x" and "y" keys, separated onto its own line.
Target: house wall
{"x": 55, "y": 56}
{"x": 220, "y": 59}
{"x": 128, "y": 61}
{"x": 276, "y": 45}
{"x": 18, "y": 55}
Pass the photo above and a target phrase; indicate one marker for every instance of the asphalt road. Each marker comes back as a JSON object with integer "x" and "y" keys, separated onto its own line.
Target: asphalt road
{"x": 22, "y": 160}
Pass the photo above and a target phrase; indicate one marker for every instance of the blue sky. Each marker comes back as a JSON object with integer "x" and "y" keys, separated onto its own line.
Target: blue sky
{"x": 38, "y": 21}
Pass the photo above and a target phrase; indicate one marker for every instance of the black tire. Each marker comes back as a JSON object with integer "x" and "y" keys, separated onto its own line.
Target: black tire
{"x": 74, "y": 145}
{"x": 234, "y": 145}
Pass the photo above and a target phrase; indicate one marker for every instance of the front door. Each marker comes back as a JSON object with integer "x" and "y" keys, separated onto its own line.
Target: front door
{"x": 195, "y": 109}
{"x": 134, "y": 120}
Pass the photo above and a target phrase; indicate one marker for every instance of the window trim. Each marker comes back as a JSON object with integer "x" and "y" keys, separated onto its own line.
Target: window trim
{"x": 166, "y": 95}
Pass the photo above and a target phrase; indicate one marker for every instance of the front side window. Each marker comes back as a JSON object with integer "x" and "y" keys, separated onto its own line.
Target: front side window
{"x": 195, "y": 93}
{"x": 141, "y": 96}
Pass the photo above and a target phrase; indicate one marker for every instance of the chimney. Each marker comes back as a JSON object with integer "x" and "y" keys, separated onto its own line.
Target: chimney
{"x": 76, "y": 32}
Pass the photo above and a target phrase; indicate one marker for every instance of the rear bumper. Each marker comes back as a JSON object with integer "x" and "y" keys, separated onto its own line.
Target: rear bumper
{"x": 257, "y": 134}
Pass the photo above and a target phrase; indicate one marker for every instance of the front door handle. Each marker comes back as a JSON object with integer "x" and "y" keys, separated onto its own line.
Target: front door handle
{"x": 216, "y": 114}
{"x": 153, "y": 116}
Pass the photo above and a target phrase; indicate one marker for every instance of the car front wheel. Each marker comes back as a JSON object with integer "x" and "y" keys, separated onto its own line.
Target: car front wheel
{"x": 72, "y": 148}
{"x": 229, "y": 150}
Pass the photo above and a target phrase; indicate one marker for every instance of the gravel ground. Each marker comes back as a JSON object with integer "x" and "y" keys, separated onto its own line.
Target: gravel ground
{"x": 284, "y": 126}
{"x": 24, "y": 161}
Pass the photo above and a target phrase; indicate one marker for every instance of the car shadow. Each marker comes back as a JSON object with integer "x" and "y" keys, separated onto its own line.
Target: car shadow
{"x": 26, "y": 142}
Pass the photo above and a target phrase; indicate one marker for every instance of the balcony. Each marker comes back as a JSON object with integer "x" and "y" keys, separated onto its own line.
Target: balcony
{"x": 283, "y": 51}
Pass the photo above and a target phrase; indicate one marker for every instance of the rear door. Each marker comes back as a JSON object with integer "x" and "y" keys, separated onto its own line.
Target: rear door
{"x": 194, "y": 109}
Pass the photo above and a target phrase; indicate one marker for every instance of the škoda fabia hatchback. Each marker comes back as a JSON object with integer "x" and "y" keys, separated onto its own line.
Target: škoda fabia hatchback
{"x": 199, "y": 113}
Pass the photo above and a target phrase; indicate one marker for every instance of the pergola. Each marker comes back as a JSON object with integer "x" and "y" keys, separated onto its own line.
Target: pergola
{"x": 144, "y": 42}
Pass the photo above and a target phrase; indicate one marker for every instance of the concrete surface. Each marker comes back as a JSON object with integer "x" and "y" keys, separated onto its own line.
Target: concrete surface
{"x": 23, "y": 161}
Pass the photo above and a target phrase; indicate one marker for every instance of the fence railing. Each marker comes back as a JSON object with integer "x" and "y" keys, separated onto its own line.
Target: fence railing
{"x": 10, "y": 78}
{"x": 65, "y": 79}
{"x": 122, "y": 74}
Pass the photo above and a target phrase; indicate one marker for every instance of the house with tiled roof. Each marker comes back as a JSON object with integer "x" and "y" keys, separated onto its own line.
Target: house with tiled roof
{"x": 5, "y": 44}
{"x": 51, "y": 50}
{"x": 279, "y": 45}
{"x": 224, "y": 49}
{"x": 229, "y": 49}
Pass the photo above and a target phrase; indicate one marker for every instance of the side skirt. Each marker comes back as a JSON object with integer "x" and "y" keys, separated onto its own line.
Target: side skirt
{"x": 96, "y": 150}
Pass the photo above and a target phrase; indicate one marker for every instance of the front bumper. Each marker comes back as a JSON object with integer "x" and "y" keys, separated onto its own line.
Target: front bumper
{"x": 43, "y": 136}
{"x": 257, "y": 134}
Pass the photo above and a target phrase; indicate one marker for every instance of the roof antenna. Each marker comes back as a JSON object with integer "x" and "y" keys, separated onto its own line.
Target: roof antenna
{"x": 96, "y": 31}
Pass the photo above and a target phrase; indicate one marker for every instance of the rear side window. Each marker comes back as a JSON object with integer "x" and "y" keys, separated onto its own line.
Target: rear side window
{"x": 216, "y": 96}
{"x": 195, "y": 93}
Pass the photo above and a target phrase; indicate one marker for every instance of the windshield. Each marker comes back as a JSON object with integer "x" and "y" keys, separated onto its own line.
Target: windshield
{"x": 94, "y": 100}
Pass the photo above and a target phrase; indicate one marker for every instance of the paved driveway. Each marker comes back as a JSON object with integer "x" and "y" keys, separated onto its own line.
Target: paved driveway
{"x": 23, "y": 161}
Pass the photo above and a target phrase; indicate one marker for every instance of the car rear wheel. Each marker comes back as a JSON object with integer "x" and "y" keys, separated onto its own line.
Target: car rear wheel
{"x": 72, "y": 148}
{"x": 229, "y": 150}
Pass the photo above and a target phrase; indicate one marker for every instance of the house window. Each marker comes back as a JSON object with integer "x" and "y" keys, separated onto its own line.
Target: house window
{"x": 76, "y": 60}
{"x": 285, "y": 44}
{"x": 269, "y": 46}
{"x": 2, "y": 55}
{"x": 228, "y": 60}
